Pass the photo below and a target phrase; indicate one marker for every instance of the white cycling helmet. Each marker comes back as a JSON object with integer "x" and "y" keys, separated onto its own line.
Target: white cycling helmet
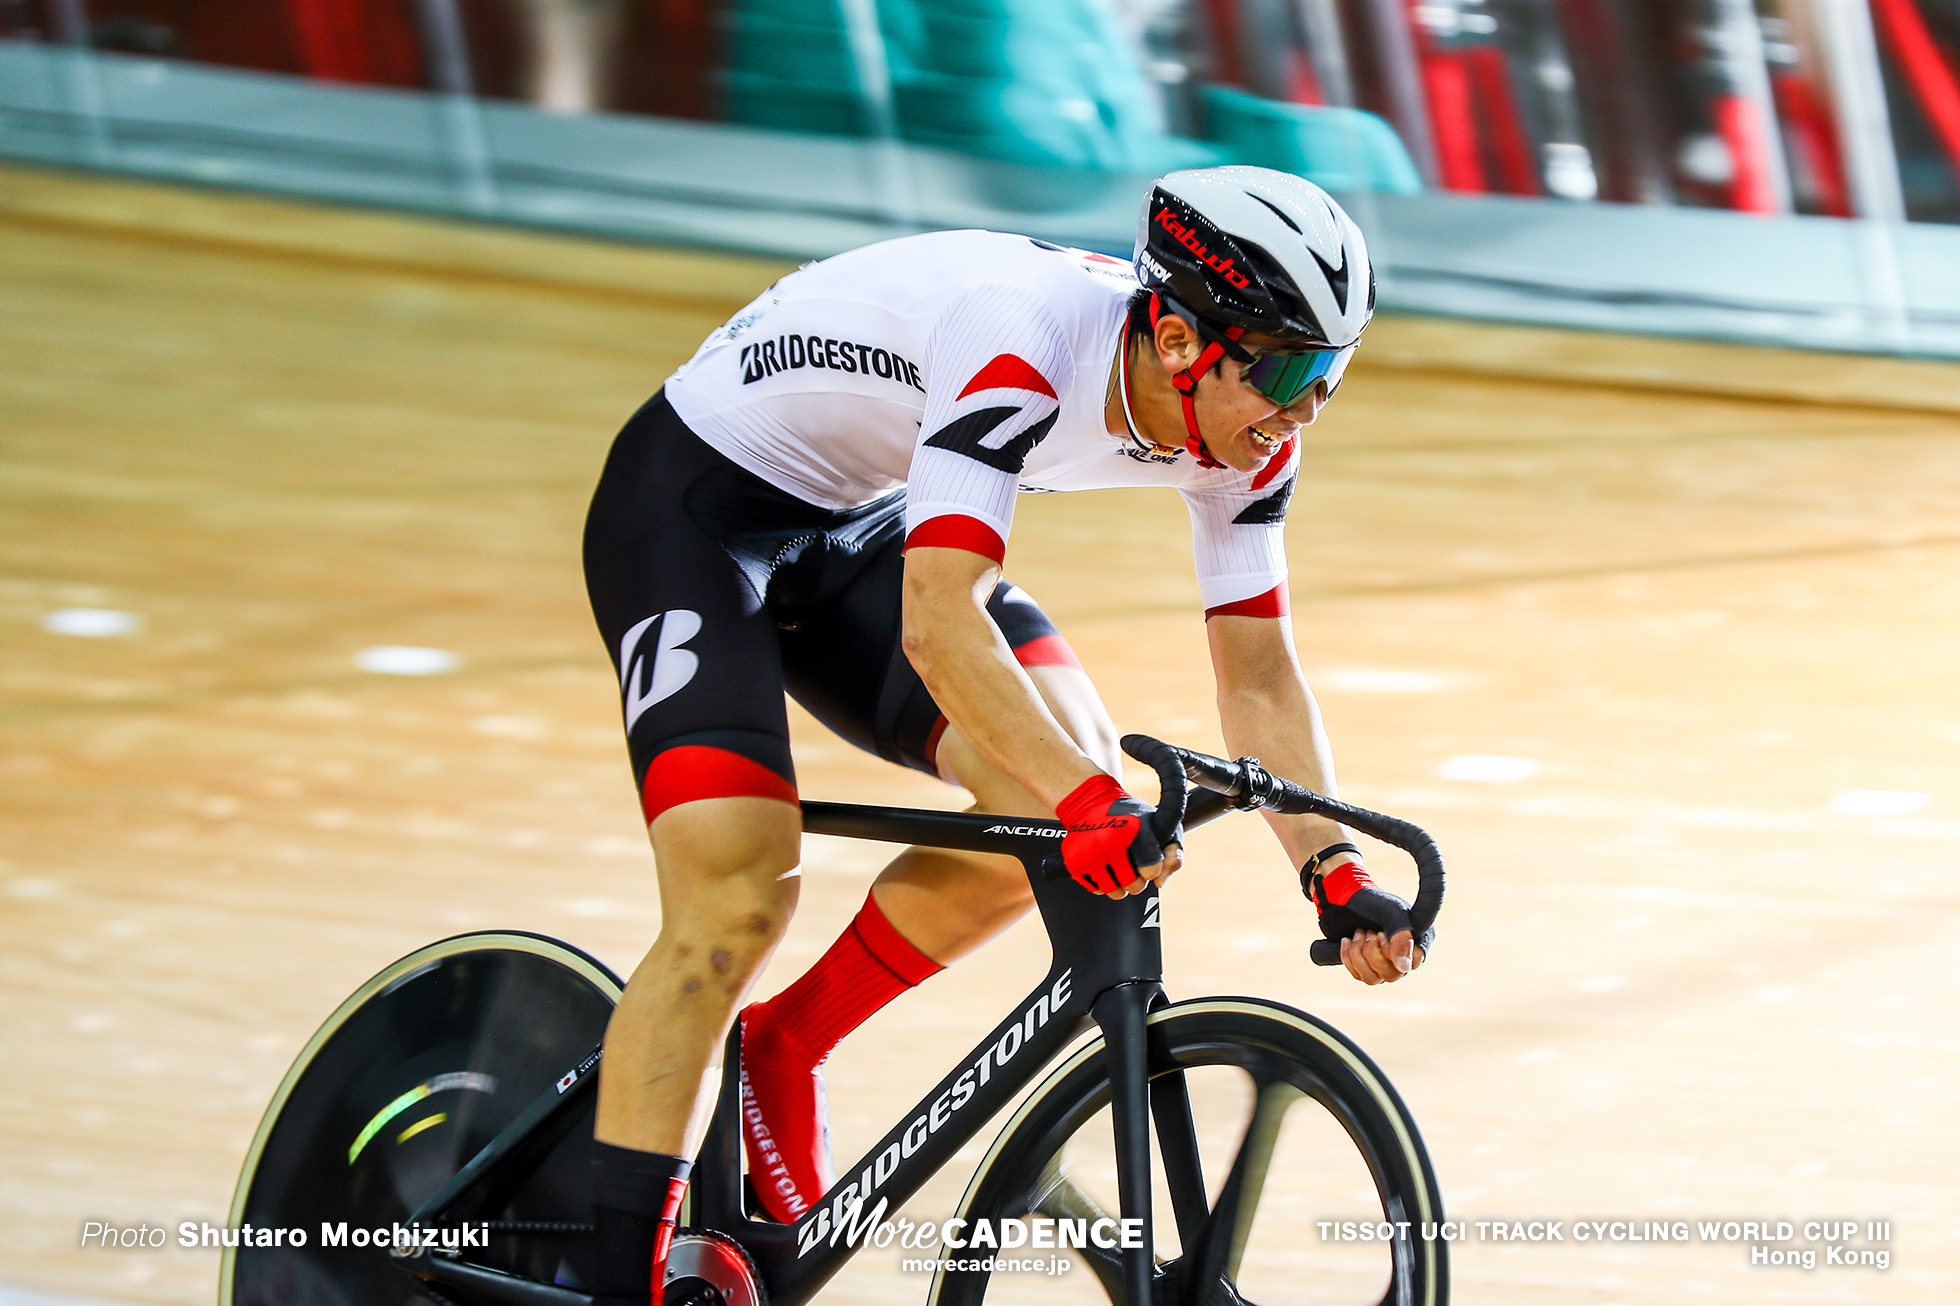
{"x": 1237, "y": 250}
{"x": 1260, "y": 250}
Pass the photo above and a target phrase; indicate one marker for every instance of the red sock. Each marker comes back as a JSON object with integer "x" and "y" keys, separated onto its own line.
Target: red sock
{"x": 785, "y": 1039}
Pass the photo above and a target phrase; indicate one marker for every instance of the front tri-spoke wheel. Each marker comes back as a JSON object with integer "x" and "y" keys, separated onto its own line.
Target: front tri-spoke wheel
{"x": 1266, "y": 1123}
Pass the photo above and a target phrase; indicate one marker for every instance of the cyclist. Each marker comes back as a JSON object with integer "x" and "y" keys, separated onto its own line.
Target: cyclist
{"x": 820, "y": 500}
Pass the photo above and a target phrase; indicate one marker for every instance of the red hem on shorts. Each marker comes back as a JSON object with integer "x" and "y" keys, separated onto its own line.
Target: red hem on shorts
{"x": 933, "y": 737}
{"x": 693, "y": 772}
{"x": 1047, "y": 651}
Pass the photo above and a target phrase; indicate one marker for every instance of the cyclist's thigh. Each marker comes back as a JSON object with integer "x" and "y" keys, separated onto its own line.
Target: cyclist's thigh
{"x": 1057, "y": 673}
{"x": 692, "y": 642}
{"x": 843, "y": 662}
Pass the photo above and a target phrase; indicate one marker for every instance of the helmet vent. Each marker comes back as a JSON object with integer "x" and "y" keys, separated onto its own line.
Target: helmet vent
{"x": 1336, "y": 277}
{"x": 1277, "y": 212}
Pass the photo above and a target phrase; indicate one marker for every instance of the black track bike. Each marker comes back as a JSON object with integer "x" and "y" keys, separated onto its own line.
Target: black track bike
{"x": 431, "y": 1144}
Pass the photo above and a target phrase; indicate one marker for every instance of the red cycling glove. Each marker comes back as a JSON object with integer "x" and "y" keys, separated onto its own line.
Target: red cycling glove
{"x": 1347, "y": 900}
{"x": 1108, "y": 837}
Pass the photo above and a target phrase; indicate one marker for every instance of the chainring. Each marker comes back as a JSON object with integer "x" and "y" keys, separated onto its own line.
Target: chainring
{"x": 716, "y": 1260}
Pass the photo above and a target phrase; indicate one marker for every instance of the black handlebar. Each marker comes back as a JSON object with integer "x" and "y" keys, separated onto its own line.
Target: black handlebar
{"x": 1167, "y": 821}
{"x": 1248, "y": 786}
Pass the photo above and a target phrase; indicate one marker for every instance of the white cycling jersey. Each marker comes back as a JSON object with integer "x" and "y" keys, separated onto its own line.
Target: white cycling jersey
{"x": 965, "y": 366}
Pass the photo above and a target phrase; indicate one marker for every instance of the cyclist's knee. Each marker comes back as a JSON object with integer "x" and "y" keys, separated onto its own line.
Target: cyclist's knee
{"x": 714, "y": 951}
{"x": 1002, "y": 897}
{"x": 727, "y": 888}
{"x": 728, "y": 838}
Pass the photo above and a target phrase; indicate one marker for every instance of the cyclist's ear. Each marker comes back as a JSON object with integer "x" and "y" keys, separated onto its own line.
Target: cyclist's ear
{"x": 1178, "y": 344}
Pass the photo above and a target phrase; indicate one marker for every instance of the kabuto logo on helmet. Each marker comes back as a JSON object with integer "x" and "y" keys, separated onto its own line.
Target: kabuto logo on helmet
{"x": 1189, "y": 239}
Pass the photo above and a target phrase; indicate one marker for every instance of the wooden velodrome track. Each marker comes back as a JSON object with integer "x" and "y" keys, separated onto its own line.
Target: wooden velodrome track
{"x": 1672, "y": 981}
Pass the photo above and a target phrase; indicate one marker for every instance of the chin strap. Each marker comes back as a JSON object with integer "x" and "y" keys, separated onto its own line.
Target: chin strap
{"x": 1187, "y": 383}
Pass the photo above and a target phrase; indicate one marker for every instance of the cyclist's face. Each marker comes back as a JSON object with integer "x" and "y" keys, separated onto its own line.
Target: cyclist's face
{"x": 1245, "y": 428}
{"x": 1242, "y": 427}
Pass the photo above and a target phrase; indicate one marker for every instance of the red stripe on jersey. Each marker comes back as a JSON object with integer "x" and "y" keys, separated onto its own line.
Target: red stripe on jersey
{"x": 1270, "y": 604}
{"x": 957, "y": 532}
{"x": 1008, "y": 372}
{"x": 1276, "y": 464}
{"x": 1047, "y": 651}
{"x": 692, "y": 772}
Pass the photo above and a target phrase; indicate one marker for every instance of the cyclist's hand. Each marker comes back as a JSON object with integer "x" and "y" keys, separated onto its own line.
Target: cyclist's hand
{"x": 1109, "y": 848}
{"x": 1378, "y": 944}
{"x": 1376, "y": 958}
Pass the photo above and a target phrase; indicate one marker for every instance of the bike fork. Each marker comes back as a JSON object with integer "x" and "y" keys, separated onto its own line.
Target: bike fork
{"x": 1120, "y": 1011}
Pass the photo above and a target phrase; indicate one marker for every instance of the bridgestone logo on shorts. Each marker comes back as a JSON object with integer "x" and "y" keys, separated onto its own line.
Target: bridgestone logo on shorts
{"x": 787, "y": 353}
{"x": 673, "y": 666}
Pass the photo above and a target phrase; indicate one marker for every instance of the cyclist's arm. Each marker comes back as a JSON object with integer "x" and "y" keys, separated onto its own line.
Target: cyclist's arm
{"x": 995, "y": 708}
{"x": 973, "y": 676}
{"x": 1267, "y": 711}
{"x": 997, "y": 364}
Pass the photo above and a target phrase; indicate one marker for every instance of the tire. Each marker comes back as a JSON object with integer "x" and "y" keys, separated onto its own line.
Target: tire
{"x": 1330, "y": 1140}
{"x": 408, "y": 1079}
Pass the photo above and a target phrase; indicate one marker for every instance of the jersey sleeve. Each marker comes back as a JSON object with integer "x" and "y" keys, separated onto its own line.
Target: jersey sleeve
{"x": 997, "y": 365}
{"x": 1238, "y": 535}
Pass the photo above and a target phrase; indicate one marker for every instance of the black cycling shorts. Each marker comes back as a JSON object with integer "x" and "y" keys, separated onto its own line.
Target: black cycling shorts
{"x": 715, "y": 591}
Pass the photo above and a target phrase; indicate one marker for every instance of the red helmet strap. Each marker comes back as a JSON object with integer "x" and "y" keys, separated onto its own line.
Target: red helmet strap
{"x": 1186, "y": 383}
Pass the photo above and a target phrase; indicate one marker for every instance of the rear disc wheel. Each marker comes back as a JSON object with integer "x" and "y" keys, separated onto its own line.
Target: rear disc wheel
{"x": 407, "y": 1080}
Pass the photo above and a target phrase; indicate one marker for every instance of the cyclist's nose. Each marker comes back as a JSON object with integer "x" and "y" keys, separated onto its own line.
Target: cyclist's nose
{"x": 1306, "y": 408}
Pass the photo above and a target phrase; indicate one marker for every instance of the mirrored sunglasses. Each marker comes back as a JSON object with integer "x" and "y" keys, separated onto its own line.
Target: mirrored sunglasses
{"x": 1284, "y": 378}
